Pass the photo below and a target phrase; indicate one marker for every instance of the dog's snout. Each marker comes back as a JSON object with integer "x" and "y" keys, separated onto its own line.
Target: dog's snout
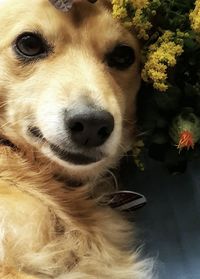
{"x": 89, "y": 127}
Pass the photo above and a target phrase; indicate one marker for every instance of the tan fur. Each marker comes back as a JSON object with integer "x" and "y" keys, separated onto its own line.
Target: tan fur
{"x": 48, "y": 230}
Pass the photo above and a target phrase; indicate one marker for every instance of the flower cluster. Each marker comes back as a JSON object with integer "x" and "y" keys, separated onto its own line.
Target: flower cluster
{"x": 120, "y": 10}
{"x": 161, "y": 56}
{"x": 134, "y": 13}
{"x": 195, "y": 18}
{"x": 141, "y": 25}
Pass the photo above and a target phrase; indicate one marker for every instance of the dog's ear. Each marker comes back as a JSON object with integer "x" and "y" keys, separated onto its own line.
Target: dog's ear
{"x": 65, "y": 5}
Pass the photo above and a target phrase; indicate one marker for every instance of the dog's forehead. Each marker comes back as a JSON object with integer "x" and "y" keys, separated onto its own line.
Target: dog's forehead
{"x": 80, "y": 10}
{"x": 33, "y": 13}
{"x": 83, "y": 23}
{"x": 62, "y": 5}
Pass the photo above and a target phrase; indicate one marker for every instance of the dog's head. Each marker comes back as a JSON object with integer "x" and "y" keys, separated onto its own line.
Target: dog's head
{"x": 68, "y": 81}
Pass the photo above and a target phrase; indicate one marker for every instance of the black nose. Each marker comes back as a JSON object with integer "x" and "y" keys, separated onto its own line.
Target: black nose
{"x": 89, "y": 127}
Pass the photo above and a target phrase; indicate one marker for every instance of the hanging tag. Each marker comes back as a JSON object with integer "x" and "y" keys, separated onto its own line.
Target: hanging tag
{"x": 65, "y": 5}
{"x": 125, "y": 200}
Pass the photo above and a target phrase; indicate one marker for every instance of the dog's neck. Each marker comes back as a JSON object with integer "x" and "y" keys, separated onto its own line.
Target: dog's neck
{"x": 57, "y": 172}
{"x": 34, "y": 157}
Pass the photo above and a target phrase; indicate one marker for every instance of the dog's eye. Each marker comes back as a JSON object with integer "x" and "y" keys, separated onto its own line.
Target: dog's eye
{"x": 121, "y": 57}
{"x": 30, "y": 45}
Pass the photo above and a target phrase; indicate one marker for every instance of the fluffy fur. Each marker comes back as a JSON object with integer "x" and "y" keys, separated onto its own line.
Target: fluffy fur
{"x": 47, "y": 229}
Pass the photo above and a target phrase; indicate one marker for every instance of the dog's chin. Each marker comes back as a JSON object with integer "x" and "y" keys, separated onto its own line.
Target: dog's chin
{"x": 79, "y": 165}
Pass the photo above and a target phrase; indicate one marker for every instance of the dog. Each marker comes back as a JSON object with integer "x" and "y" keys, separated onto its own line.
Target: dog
{"x": 68, "y": 86}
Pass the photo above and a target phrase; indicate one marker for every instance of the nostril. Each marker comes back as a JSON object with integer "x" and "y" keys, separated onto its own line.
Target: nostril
{"x": 76, "y": 127}
{"x": 104, "y": 133}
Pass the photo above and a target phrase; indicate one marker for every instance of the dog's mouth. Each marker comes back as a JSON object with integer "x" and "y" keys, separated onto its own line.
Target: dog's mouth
{"x": 75, "y": 158}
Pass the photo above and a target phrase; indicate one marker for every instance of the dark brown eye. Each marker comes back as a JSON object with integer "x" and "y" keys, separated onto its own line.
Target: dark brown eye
{"x": 30, "y": 45}
{"x": 121, "y": 57}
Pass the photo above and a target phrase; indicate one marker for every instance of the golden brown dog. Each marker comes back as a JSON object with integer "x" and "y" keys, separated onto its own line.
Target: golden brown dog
{"x": 68, "y": 83}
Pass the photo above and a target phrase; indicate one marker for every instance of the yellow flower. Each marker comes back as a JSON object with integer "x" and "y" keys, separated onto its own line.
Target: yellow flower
{"x": 141, "y": 25}
{"x": 138, "y": 21}
{"x": 195, "y": 17}
{"x": 140, "y": 4}
{"x": 119, "y": 11}
{"x": 161, "y": 56}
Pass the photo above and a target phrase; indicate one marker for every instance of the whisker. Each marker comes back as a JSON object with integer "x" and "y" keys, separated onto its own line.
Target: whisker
{"x": 132, "y": 122}
{"x": 7, "y": 102}
{"x": 17, "y": 121}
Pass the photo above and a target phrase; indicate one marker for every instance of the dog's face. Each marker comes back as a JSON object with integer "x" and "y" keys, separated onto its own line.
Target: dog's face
{"x": 68, "y": 81}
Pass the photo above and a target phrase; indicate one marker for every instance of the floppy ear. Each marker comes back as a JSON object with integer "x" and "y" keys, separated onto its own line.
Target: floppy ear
{"x": 65, "y": 5}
